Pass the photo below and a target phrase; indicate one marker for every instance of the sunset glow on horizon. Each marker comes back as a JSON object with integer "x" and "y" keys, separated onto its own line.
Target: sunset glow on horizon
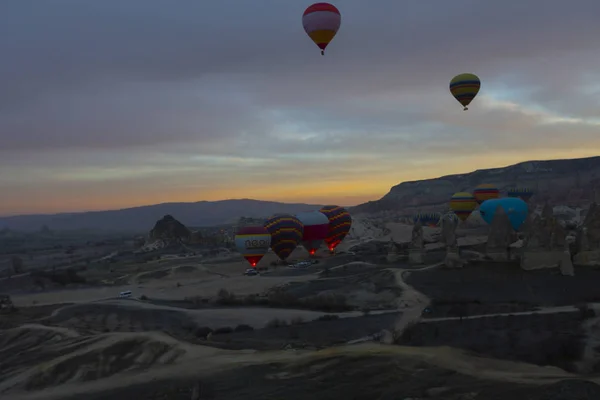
{"x": 262, "y": 115}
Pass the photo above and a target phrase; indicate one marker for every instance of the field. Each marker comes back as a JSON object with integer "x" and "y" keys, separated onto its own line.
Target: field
{"x": 340, "y": 326}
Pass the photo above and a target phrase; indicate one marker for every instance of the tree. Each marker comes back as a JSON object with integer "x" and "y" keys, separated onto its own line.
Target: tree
{"x": 17, "y": 264}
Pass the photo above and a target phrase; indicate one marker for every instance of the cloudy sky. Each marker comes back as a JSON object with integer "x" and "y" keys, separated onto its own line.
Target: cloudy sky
{"x": 116, "y": 103}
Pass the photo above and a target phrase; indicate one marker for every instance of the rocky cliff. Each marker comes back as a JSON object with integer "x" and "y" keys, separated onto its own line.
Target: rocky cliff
{"x": 168, "y": 228}
{"x": 572, "y": 182}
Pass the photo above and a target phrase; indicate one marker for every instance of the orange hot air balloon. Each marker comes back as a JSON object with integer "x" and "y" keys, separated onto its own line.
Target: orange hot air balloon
{"x": 321, "y": 22}
{"x": 485, "y": 192}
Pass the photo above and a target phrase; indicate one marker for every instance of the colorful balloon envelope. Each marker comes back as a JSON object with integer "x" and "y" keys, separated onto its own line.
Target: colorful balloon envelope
{"x": 340, "y": 223}
{"x": 523, "y": 193}
{"x": 485, "y": 192}
{"x": 316, "y": 228}
{"x": 321, "y": 22}
{"x": 464, "y": 88}
{"x": 427, "y": 219}
{"x": 463, "y": 204}
{"x": 515, "y": 208}
{"x": 253, "y": 242}
{"x": 286, "y": 234}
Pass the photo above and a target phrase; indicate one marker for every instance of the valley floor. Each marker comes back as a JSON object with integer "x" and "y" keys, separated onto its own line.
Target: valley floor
{"x": 298, "y": 334}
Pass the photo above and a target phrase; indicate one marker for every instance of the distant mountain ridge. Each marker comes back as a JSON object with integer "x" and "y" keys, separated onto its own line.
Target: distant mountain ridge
{"x": 566, "y": 182}
{"x": 138, "y": 219}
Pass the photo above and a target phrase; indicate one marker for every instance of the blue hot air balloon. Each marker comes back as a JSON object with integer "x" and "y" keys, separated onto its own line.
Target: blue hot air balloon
{"x": 515, "y": 208}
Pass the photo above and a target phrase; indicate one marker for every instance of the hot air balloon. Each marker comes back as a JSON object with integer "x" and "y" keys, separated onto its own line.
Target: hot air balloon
{"x": 286, "y": 233}
{"x": 321, "y": 22}
{"x": 340, "y": 222}
{"x": 428, "y": 219}
{"x": 485, "y": 192}
{"x": 464, "y": 88}
{"x": 253, "y": 242}
{"x": 463, "y": 204}
{"x": 316, "y": 228}
{"x": 523, "y": 193}
{"x": 515, "y": 208}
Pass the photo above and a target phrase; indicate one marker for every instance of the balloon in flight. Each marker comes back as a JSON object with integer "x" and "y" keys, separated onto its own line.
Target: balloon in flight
{"x": 321, "y": 22}
{"x": 485, "y": 192}
{"x": 340, "y": 223}
{"x": 462, "y": 204}
{"x": 253, "y": 242}
{"x": 464, "y": 88}
{"x": 316, "y": 228}
{"x": 523, "y": 193}
{"x": 286, "y": 233}
{"x": 515, "y": 208}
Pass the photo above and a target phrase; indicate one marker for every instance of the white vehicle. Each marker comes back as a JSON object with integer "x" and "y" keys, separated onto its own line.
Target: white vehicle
{"x": 125, "y": 294}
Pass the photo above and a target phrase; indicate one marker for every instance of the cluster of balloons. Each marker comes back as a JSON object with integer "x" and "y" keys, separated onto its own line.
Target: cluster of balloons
{"x": 321, "y": 22}
{"x": 283, "y": 233}
{"x": 487, "y": 198}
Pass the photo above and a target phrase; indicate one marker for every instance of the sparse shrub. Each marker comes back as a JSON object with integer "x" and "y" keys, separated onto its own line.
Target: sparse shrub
{"x": 328, "y": 317}
{"x": 250, "y": 299}
{"x": 297, "y": 321}
{"x": 223, "y": 330}
{"x": 585, "y": 311}
{"x": 187, "y": 325}
{"x": 331, "y": 302}
{"x": 143, "y": 297}
{"x": 17, "y": 264}
{"x": 276, "y": 323}
{"x": 281, "y": 298}
{"x": 178, "y": 284}
{"x": 243, "y": 328}
{"x": 225, "y": 297}
{"x": 366, "y": 311}
{"x": 203, "y": 331}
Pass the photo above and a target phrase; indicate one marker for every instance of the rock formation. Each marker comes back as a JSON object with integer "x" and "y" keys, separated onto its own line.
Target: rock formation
{"x": 544, "y": 242}
{"x": 558, "y": 181}
{"x": 168, "y": 228}
{"x": 588, "y": 238}
{"x": 499, "y": 237}
{"x": 449, "y": 224}
{"x": 417, "y": 245}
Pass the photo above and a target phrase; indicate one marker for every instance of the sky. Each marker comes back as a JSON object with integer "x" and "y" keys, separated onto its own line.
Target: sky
{"x": 117, "y": 103}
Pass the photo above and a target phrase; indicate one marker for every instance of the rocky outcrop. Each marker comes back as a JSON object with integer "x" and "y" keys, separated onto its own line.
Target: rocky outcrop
{"x": 449, "y": 224}
{"x": 544, "y": 243}
{"x": 417, "y": 245}
{"x": 366, "y": 229}
{"x": 168, "y": 228}
{"x": 587, "y": 242}
{"x": 556, "y": 181}
{"x": 372, "y": 247}
{"x": 500, "y": 236}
